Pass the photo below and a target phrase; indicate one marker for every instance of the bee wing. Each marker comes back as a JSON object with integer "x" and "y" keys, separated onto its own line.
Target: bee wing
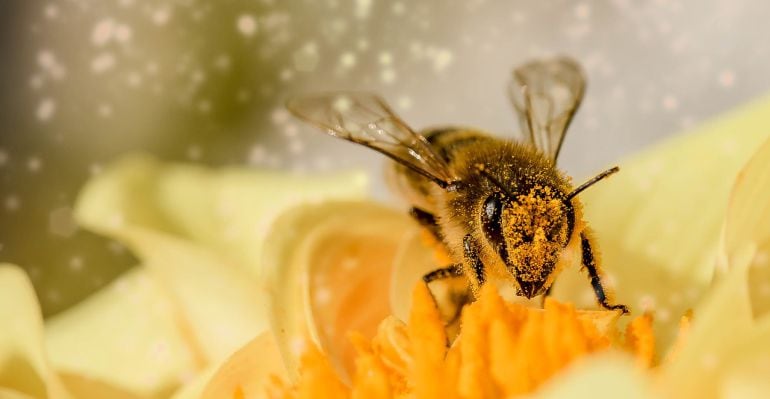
{"x": 546, "y": 94}
{"x": 366, "y": 119}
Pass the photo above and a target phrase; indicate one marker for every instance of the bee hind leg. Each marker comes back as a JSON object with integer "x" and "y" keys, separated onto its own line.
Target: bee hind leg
{"x": 589, "y": 262}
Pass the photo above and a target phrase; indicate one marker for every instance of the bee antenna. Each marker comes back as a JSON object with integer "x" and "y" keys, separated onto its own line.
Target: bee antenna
{"x": 591, "y": 182}
{"x": 483, "y": 170}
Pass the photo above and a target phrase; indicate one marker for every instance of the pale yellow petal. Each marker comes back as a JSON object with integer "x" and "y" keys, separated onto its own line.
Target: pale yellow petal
{"x": 328, "y": 270}
{"x": 608, "y": 375}
{"x": 227, "y": 210}
{"x": 12, "y": 394}
{"x": 722, "y": 323}
{"x": 221, "y": 305}
{"x": 658, "y": 220}
{"x": 413, "y": 260}
{"x": 747, "y": 227}
{"x": 127, "y": 335}
{"x": 247, "y": 372}
{"x": 24, "y": 366}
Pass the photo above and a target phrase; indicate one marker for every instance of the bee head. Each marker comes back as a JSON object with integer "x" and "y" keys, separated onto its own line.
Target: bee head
{"x": 529, "y": 232}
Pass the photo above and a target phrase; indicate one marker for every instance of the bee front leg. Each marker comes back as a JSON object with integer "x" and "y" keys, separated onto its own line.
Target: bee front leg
{"x": 589, "y": 262}
{"x": 445, "y": 272}
{"x": 457, "y": 298}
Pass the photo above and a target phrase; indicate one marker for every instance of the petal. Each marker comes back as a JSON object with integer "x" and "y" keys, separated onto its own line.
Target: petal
{"x": 747, "y": 227}
{"x": 226, "y": 210}
{"x": 24, "y": 367}
{"x": 658, "y": 221}
{"x": 248, "y": 371}
{"x": 221, "y": 306}
{"x": 127, "y": 335}
{"x": 607, "y": 375}
{"x": 723, "y": 323}
{"x": 328, "y": 270}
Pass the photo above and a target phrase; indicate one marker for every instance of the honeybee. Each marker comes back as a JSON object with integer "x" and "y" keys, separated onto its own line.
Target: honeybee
{"x": 501, "y": 208}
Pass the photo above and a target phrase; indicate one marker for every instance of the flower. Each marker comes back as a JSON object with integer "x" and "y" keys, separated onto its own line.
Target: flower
{"x": 659, "y": 224}
{"x": 194, "y": 299}
{"x": 212, "y": 280}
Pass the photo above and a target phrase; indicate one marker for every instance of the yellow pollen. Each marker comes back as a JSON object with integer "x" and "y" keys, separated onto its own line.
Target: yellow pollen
{"x": 503, "y": 350}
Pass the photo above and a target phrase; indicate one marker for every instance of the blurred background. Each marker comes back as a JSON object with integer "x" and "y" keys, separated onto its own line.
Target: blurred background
{"x": 204, "y": 81}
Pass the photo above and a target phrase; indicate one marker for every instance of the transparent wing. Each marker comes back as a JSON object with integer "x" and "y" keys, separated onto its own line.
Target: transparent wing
{"x": 546, "y": 94}
{"x": 366, "y": 119}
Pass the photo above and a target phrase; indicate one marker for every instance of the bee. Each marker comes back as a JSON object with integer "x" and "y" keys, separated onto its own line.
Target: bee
{"x": 501, "y": 207}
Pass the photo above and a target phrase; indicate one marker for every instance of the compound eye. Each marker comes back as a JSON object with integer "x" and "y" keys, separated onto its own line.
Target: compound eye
{"x": 491, "y": 223}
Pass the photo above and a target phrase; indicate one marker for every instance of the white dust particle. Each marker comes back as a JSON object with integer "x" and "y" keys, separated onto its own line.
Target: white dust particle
{"x": 404, "y": 103}
{"x": 46, "y": 109}
{"x": 47, "y": 60}
{"x": 399, "y": 8}
{"x": 36, "y": 82}
{"x": 3, "y": 157}
{"x": 104, "y": 110}
{"x": 388, "y": 76}
{"x": 709, "y": 361}
{"x": 204, "y": 106}
{"x": 297, "y": 345}
{"x": 61, "y": 222}
{"x": 762, "y": 257}
{"x": 123, "y": 33}
{"x": 34, "y": 164}
{"x": 296, "y": 147}
{"x": 290, "y": 130}
{"x": 670, "y": 103}
{"x": 103, "y": 32}
{"x": 342, "y": 104}
{"x": 286, "y": 75}
{"x": 348, "y": 60}
{"x": 363, "y": 8}
{"x": 53, "y": 296}
{"x": 223, "y": 62}
{"x": 306, "y": 58}
{"x": 442, "y": 58}
{"x": 362, "y": 44}
{"x": 323, "y": 295}
{"x": 279, "y": 116}
{"x": 51, "y": 11}
{"x": 727, "y": 78}
{"x": 257, "y": 155}
{"x": 243, "y": 95}
{"x": 161, "y": 16}
{"x": 103, "y": 62}
{"x": 582, "y": 11}
{"x": 246, "y": 24}
{"x": 194, "y": 152}
{"x": 385, "y": 58}
{"x": 76, "y": 264}
{"x": 647, "y": 302}
{"x": 12, "y": 203}
{"x": 134, "y": 79}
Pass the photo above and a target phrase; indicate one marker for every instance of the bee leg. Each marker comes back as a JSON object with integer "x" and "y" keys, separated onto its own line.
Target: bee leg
{"x": 471, "y": 253}
{"x": 589, "y": 263}
{"x": 546, "y": 295}
{"x": 445, "y": 272}
{"x": 427, "y": 220}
